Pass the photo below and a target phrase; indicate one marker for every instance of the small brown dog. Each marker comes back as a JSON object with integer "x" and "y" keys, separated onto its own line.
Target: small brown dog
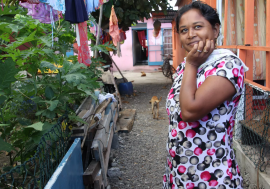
{"x": 143, "y": 74}
{"x": 155, "y": 105}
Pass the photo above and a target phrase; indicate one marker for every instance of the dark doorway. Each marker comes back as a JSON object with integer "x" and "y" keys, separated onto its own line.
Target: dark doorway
{"x": 140, "y": 54}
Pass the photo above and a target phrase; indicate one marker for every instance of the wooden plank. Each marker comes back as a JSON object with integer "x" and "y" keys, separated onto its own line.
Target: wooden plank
{"x": 77, "y": 130}
{"x": 94, "y": 121}
{"x": 106, "y": 156}
{"x": 68, "y": 174}
{"x": 91, "y": 172}
{"x": 225, "y": 22}
{"x": 107, "y": 153}
{"x": 82, "y": 113}
{"x": 253, "y": 48}
{"x": 98, "y": 183}
{"x": 249, "y": 21}
{"x": 249, "y": 32}
{"x": 79, "y": 109}
{"x": 257, "y": 85}
{"x": 267, "y": 79}
{"x": 126, "y": 120}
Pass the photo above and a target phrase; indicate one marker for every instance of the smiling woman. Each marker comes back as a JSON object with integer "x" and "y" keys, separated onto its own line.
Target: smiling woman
{"x": 201, "y": 108}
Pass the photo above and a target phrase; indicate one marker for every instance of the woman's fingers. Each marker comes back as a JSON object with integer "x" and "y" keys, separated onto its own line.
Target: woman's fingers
{"x": 212, "y": 45}
{"x": 207, "y": 46}
{"x": 200, "y": 47}
{"x": 194, "y": 49}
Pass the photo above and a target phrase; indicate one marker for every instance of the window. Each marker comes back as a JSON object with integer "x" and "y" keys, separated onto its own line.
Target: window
{"x": 167, "y": 41}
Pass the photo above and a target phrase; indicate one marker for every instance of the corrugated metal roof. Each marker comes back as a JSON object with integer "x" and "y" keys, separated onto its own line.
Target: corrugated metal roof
{"x": 159, "y": 15}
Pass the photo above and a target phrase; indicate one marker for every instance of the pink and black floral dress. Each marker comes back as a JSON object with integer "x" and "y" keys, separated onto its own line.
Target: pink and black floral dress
{"x": 200, "y": 153}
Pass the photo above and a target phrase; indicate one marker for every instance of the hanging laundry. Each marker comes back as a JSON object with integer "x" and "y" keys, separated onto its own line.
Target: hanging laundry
{"x": 93, "y": 28}
{"x": 142, "y": 40}
{"x": 75, "y": 11}
{"x": 41, "y": 12}
{"x": 33, "y": 1}
{"x": 57, "y": 5}
{"x": 101, "y": 2}
{"x": 114, "y": 29}
{"x": 96, "y": 3}
{"x": 89, "y": 6}
{"x": 83, "y": 48}
{"x": 122, "y": 35}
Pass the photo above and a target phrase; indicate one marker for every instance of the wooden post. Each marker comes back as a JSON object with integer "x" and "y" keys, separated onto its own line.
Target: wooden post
{"x": 267, "y": 79}
{"x": 99, "y": 28}
{"x": 225, "y": 22}
{"x": 249, "y": 29}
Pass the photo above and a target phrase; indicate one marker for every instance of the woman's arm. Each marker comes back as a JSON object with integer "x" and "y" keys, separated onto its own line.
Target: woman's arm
{"x": 196, "y": 103}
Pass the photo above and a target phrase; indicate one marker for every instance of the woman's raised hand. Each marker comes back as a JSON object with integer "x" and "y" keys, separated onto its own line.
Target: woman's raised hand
{"x": 200, "y": 52}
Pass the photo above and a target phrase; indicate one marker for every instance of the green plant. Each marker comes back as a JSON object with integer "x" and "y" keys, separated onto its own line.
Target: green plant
{"x": 29, "y": 106}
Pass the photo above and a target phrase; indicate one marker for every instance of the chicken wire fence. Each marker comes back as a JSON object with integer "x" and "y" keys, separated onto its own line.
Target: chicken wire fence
{"x": 36, "y": 172}
{"x": 252, "y": 130}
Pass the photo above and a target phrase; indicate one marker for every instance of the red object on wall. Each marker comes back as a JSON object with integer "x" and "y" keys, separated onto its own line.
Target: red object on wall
{"x": 142, "y": 38}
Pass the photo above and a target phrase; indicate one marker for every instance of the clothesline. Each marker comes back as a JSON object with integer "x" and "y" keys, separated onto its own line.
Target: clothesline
{"x": 77, "y": 12}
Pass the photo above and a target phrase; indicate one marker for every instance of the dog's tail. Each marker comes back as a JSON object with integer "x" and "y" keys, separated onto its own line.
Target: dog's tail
{"x": 160, "y": 99}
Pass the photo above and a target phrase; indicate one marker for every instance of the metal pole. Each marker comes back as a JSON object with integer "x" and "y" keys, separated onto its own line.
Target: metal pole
{"x": 99, "y": 28}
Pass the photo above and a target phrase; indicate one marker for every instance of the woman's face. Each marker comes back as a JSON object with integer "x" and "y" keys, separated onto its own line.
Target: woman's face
{"x": 193, "y": 27}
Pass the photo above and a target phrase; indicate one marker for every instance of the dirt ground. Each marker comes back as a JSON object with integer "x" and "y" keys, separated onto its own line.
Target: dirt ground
{"x": 141, "y": 155}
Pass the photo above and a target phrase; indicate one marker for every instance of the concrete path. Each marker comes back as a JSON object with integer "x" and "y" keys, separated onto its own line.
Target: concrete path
{"x": 141, "y": 156}
{"x": 151, "y": 77}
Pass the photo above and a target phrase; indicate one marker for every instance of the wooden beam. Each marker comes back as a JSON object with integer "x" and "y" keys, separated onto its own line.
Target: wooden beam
{"x": 242, "y": 47}
{"x": 91, "y": 172}
{"x": 257, "y": 85}
{"x": 249, "y": 30}
{"x": 225, "y": 22}
{"x": 267, "y": 78}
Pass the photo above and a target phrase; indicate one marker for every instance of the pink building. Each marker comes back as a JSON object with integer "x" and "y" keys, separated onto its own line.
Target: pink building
{"x": 135, "y": 56}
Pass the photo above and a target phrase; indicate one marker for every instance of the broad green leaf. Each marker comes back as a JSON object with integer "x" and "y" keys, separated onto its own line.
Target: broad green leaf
{"x": 22, "y": 40}
{"x": 49, "y": 114}
{"x": 46, "y": 40}
{"x": 74, "y": 77}
{"x": 53, "y": 104}
{"x": 47, "y": 65}
{"x": 4, "y": 125}
{"x": 37, "y": 126}
{"x": 7, "y": 73}
{"x": 24, "y": 121}
{"x": 2, "y": 99}
{"x": 49, "y": 94}
{"x": 4, "y": 146}
{"x": 76, "y": 118}
{"x": 39, "y": 112}
{"x": 77, "y": 66}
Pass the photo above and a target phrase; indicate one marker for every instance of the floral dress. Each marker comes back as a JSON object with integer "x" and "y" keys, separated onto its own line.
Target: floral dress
{"x": 200, "y": 153}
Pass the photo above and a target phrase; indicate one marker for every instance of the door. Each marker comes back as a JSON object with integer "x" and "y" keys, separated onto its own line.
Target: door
{"x": 155, "y": 48}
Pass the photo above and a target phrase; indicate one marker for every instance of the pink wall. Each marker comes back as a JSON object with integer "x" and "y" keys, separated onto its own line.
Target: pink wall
{"x": 125, "y": 63}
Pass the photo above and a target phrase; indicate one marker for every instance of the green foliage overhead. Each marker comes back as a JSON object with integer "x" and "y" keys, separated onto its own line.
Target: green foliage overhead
{"x": 130, "y": 11}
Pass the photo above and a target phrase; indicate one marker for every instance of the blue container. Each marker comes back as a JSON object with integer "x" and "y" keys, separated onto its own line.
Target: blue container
{"x": 125, "y": 88}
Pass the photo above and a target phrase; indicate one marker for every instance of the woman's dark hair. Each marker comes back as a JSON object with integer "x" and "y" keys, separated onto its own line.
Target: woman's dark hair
{"x": 209, "y": 13}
